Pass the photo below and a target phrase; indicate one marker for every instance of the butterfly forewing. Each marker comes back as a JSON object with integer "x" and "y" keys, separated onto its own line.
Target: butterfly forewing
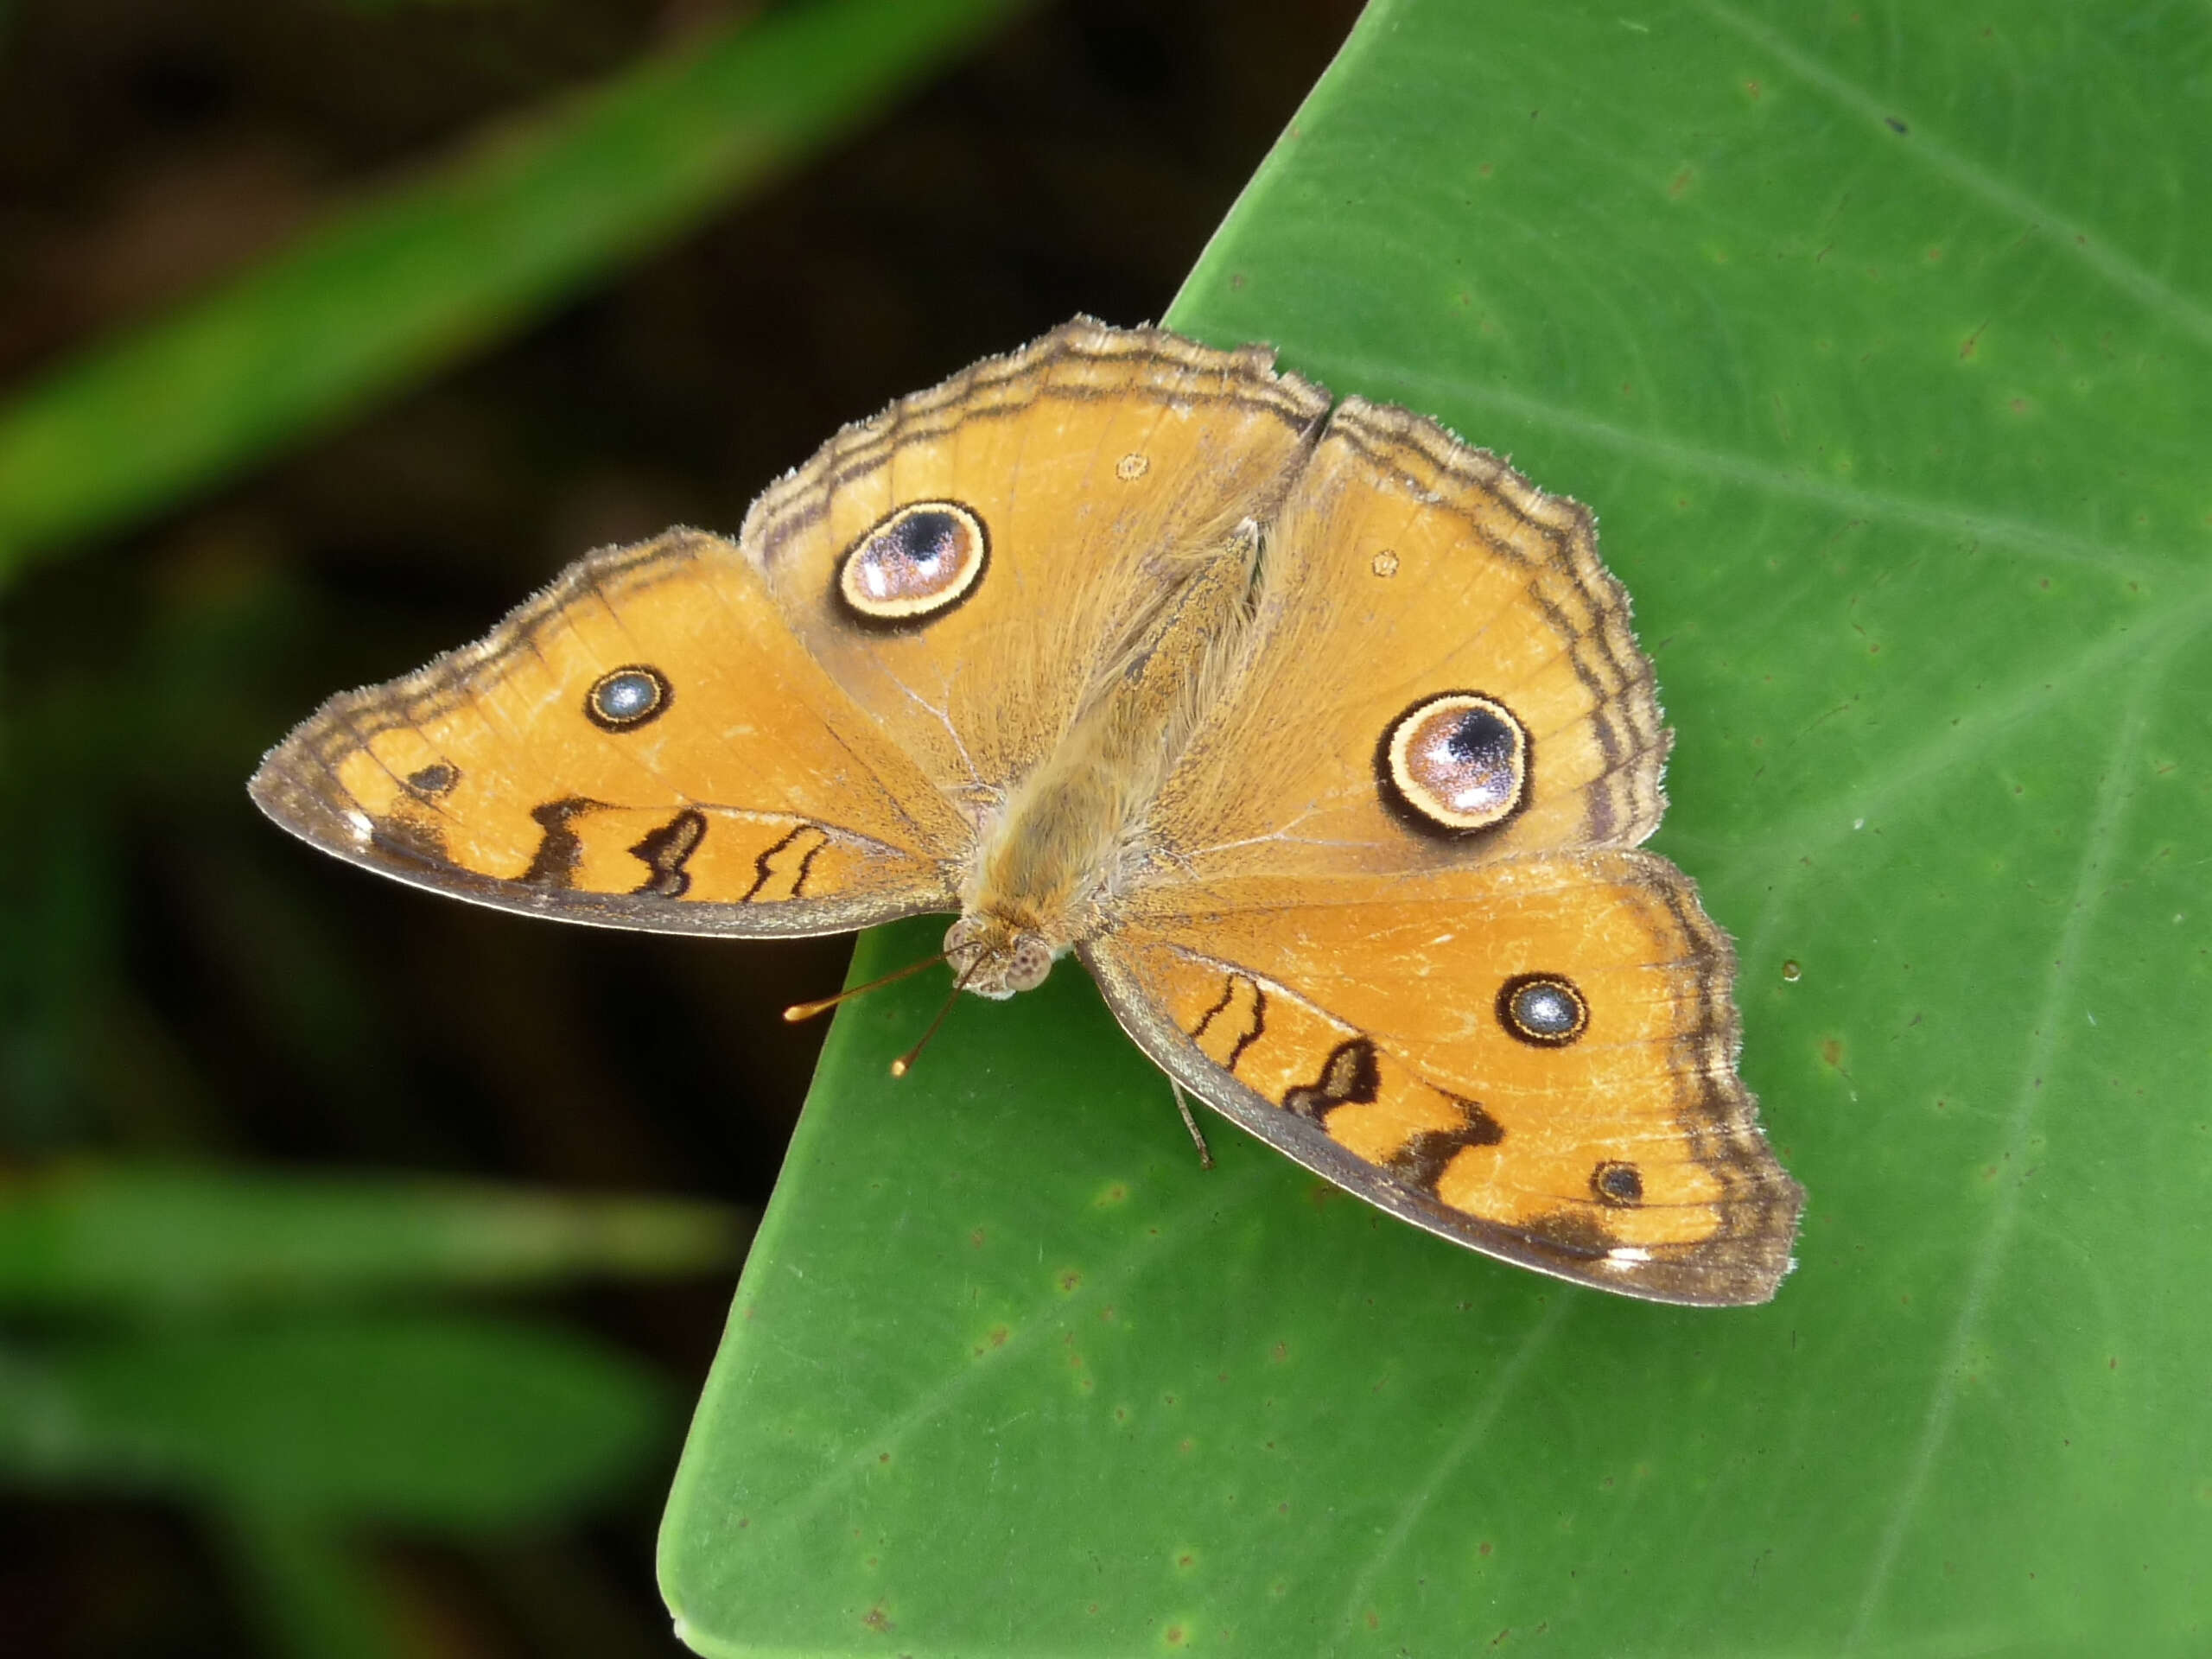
{"x": 1405, "y": 567}
{"x": 643, "y": 745}
{"x": 1094, "y": 465}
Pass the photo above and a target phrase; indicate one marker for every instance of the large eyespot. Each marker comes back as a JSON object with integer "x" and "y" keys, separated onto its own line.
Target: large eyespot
{"x": 1546, "y": 1009}
{"x": 626, "y": 698}
{"x": 1454, "y": 763}
{"x": 918, "y": 563}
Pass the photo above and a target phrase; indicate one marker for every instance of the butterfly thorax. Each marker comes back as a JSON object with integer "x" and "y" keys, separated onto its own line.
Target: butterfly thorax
{"x": 1068, "y": 833}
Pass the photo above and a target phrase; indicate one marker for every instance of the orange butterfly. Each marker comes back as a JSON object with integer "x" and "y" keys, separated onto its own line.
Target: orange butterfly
{"x": 1320, "y": 737}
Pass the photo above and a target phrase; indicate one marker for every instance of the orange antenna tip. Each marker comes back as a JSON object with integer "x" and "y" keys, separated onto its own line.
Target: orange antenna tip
{"x": 799, "y": 1011}
{"x": 904, "y": 1063}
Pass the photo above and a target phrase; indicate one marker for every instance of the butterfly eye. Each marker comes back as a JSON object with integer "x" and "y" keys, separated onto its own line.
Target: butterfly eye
{"x": 1543, "y": 1009}
{"x": 1031, "y": 961}
{"x": 920, "y": 561}
{"x": 1455, "y": 763}
{"x": 626, "y": 698}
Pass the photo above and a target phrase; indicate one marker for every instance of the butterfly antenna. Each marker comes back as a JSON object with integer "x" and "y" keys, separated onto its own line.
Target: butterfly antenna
{"x": 799, "y": 1011}
{"x": 904, "y": 1063}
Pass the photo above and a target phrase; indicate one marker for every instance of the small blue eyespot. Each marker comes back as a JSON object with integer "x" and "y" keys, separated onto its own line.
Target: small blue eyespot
{"x": 626, "y": 698}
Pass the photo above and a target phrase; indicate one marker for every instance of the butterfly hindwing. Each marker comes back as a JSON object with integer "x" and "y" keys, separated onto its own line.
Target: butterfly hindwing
{"x": 1534, "y": 1057}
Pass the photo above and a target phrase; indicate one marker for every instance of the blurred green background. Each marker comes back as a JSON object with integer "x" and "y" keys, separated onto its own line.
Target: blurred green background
{"x": 360, "y": 1255}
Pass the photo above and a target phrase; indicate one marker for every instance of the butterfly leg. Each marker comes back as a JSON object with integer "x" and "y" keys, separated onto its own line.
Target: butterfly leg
{"x": 1198, "y": 1139}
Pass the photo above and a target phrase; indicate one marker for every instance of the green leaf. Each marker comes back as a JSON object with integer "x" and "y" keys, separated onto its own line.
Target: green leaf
{"x": 178, "y": 1241}
{"x": 1879, "y": 339}
{"x": 403, "y": 284}
{"x": 463, "y": 1424}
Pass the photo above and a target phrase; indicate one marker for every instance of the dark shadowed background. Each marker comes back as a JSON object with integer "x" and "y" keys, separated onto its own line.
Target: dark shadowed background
{"x": 185, "y": 987}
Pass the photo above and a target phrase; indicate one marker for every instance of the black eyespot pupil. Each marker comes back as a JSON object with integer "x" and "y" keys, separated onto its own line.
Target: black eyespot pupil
{"x": 1480, "y": 738}
{"x": 927, "y": 540}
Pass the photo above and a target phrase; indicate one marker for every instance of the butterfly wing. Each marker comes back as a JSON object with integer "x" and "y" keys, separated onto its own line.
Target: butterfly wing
{"x": 1533, "y": 1055}
{"x": 1404, "y": 566}
{"x": 1023, "y": 521}
{"x": 1390, "y": 923}
{"x": 643, "y": 745}
{"x": 691, "y": 735}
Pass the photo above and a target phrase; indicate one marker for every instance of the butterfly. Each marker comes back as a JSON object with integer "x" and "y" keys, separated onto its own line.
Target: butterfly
{"x": 1320, "y": 737}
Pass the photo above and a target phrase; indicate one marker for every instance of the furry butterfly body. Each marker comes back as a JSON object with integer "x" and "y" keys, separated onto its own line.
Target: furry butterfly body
{"x": 1319, "y": 737}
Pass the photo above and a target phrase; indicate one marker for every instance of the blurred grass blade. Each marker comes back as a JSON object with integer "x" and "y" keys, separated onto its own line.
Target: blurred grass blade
{"x": 394, "y": 289}
{"x": 172, "y": 1241}
{"x": 459, "y": 1423}
{"x": 313, "y": 1595}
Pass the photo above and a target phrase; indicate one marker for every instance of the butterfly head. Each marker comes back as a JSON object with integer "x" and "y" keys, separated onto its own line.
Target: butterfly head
{"x": 995, "y": 956}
